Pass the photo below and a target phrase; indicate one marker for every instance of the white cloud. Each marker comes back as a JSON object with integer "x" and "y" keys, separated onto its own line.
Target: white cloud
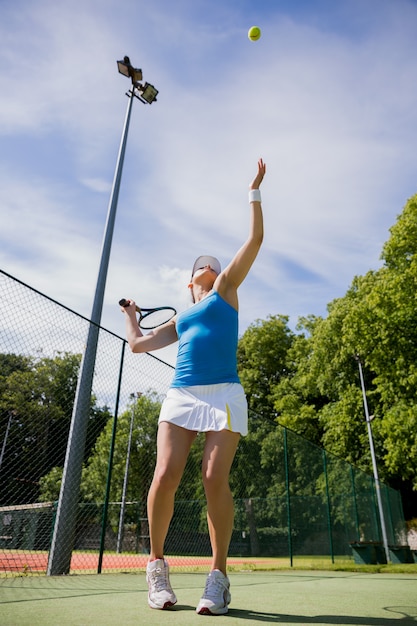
{"x": 97, "y": 184}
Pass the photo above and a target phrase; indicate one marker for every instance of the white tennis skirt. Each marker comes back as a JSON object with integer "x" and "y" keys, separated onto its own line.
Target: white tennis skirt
{"x": 204, "y": 408}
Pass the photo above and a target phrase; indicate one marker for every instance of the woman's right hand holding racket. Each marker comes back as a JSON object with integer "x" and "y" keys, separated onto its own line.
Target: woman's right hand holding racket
{"x": 148, "y": 318}
{"x": 126, "y": 305}
{"x": 129, "y": 307}
{"x": 160, "y": 333}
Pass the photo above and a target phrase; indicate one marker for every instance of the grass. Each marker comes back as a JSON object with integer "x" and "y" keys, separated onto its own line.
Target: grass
{"x": 318, "y": 563}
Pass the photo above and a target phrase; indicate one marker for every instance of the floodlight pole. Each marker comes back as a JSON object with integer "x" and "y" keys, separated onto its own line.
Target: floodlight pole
{"x": 60, "y": 553}
{"x": 374, "y": 464}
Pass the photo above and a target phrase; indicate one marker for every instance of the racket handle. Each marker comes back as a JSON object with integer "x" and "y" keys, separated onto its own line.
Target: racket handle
{"x": 123, "y": 302}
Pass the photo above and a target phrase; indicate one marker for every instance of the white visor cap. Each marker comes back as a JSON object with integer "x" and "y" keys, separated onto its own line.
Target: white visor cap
{"x": 202, "y": 261}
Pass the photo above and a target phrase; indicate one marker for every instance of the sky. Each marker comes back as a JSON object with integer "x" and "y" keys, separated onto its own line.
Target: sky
{"x": 327, "y": 97}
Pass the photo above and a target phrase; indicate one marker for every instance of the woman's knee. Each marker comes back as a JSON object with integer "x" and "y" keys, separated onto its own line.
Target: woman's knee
{"x": 166, "y": 479}
{"x": 214, "y": 481}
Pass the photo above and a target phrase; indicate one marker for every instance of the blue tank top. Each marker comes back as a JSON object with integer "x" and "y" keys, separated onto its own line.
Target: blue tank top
{"x": 208, "y": 335}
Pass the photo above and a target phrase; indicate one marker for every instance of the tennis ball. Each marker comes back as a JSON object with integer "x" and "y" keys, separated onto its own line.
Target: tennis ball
{"x": 254, "y": 33}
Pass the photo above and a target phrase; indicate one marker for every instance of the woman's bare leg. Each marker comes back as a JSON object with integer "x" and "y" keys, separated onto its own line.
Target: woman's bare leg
{"x": 219, "y": 452}
{"x": 173, "y": 446}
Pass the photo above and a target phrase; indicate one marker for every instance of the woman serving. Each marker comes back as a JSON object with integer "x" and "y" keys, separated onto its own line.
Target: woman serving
{"x": 205, "y": 396}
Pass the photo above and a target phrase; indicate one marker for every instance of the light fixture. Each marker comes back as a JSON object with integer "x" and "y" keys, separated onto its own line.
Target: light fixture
{"x": 126, "y": 68}
{"x": 123, "y": 66}
{"x": 147, "y": 93}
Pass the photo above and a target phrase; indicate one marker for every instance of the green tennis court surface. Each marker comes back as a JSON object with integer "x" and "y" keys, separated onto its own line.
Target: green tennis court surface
{"x": 296, "y": 597}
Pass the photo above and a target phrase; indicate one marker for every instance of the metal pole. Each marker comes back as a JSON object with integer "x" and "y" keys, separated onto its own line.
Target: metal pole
{"x": 288, "y": 497}
{"x": 6, "y": 434}
{"x": 374, "y": 465}
{"x": 124, "y": 490}
{"x": 328, "y": 507}
{"x": 110, "y": 465}
{"x": 355, "y": 503}
{"x": 64, "y": 531}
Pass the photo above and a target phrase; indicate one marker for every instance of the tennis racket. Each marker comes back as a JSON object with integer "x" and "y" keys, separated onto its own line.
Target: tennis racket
{"x": 151, "y": 318}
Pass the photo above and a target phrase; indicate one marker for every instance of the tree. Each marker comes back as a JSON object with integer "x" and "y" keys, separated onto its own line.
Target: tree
{"x": 38, "y": 394}
{"x": 297, "y": 397}
{"x": 262, "y": 360}
{"x": 144, "y": 412}
{"x": 377, "y": 319}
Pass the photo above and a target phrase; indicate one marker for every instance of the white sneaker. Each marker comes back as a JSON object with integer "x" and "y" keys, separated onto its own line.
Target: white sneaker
{"x": 160, "y": 594}
{"x": 216, "y": 596}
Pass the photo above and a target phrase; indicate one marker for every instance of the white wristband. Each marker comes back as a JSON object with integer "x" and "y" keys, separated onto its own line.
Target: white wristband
{"x": 254, "y": 195}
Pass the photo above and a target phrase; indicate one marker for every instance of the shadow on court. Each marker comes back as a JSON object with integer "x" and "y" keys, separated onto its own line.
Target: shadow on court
{"x": 303, "y": 598}
{"x": 278, "y": 618}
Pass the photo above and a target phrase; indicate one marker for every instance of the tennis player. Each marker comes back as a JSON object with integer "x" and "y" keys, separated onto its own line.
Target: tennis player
{"x": 205, "y": 396}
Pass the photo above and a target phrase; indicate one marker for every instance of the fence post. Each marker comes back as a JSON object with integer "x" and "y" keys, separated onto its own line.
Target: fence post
{"x": 355, "y": 502}
{"x": 287, "y": 488}
{"x": 391, "y": 522}
{"x": 329, "y": 514}
{"x": 126, "y": 476}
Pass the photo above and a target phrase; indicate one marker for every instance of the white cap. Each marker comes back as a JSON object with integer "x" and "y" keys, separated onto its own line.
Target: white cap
{"x": 202, "y": 261}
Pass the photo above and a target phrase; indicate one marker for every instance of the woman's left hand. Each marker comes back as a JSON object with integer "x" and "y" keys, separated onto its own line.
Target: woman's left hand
{"x": 259, "y": 176}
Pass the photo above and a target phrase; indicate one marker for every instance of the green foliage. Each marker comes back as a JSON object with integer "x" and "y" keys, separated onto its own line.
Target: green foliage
{"x": 10, "y": 363}
{"x": 344, "y": 427}
{"x": 398, "y": 429}
{"x": 310, "y": 383}
{"x": 262, "y": 360}
{"x": 297, "y": 397}
{"x": 37, "y": 395}
{"x": 399, "y": 252}
{"x": 144, "y": 412}
{"x": 50, "y": 485}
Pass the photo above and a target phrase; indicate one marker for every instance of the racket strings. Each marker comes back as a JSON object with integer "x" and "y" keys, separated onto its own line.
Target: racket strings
{"x": 156, "y": 318}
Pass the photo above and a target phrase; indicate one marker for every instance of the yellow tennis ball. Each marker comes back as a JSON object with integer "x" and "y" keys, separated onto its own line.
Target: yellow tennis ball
{"x": 254, "y": 33}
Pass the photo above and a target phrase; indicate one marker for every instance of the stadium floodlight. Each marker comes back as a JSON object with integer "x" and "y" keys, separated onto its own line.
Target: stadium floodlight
{"x": 148, "y": 94}
{"x": 126, "y": 68}
{"x": 65, "y": 521}
{"x": 145, "y": 93}
{"x": 369, "y": 419}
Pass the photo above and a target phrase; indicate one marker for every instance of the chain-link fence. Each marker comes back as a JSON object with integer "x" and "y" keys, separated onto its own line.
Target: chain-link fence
{"x": 303, "y": 501}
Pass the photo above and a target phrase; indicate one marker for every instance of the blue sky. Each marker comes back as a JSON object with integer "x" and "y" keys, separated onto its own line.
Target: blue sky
{"x": 327, "y": 96}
